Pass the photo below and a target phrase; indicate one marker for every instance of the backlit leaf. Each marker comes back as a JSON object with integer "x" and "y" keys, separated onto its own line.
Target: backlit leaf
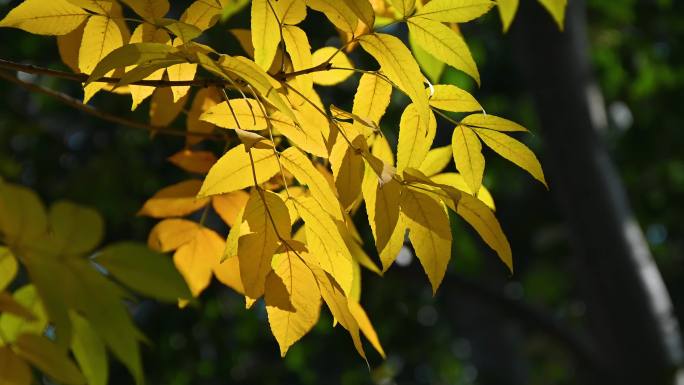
{"x": 468, "y": 156}
{"x": 57, "y": 17}
{"x": 557, "y": 9}
{"x": 492, "y": 122}
{"x": 400, "y": 67}
{"x": 507, "y": 10}
{"x": 514, "y": 151}
{"x": 454, "y": 11}
{"x": 301, "y": 290}
{"x": 415, "y": 138}
{"x": 443, "y": 43}
{"x": 265, "y": 33}
{"x": 429, "y": 232}
{"x": 233, "y": 171}
{"x": 331, "y": 77}
{"x": 301, "y": 167}
{"x": 451, "y": 98}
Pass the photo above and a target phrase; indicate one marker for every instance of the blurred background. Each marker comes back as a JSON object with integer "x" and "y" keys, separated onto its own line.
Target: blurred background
{"x": 585, "y": 305}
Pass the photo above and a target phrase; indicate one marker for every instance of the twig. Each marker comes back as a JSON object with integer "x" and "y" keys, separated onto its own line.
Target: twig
{"x": 75, "y": 103}
{"x": 200, "y": 82}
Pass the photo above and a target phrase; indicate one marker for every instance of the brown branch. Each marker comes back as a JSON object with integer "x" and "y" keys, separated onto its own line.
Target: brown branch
{"x": 75, "y": 103}
{"x": 200, "y": 82}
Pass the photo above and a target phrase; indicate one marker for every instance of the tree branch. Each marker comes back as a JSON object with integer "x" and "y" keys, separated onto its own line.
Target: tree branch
{"x": 200, "y": 82}
{"x": 75, "y": 103}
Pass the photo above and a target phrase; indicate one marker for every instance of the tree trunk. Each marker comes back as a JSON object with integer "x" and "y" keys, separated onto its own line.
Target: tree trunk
{"x": 629, "y": 309}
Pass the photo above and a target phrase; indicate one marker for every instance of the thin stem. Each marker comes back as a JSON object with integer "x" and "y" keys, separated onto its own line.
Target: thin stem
{"x": 75, "y": 103}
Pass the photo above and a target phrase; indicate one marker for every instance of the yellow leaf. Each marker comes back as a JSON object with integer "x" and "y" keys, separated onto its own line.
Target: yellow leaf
{"x": 228, "y": 206}
{"x": 481, "y": 217}
{"x": 394, "y": 245}
{"x": 49, "y": 358}
{"x": 290, "y": 11}
{"x": 203, "y": 14}
{"x": 175, "y": 201}
{"x": 331, "y": 77}
{"x": 69, "y": 46}
{"x": 429, "y": 232}
{"x": 382, "y": 208}
{"x": 163, "y": 109}
{"x": 238, "y": 113}
{"x": 149, "y": 9}
{"x": 13, "y": 326}
{"x": 451, "y": 98}
{"x": 557, "y": 9}
{"x": 301, "y": 167}
{"x": 8, "y": 267}
{"x": 9, "y": 306}
{"x": 228, "y": 273}
{"x": 100, "y": 37}
{"x": 297, "y": 46}
{"x": 146, "y": 33}
{"x": 89, "y": 351}
{"x": 456, "y": 180}
{"x": 170, "y": 234}
{"x": 269, "y": 222}
{"x": 265, "y": 33}
{"x": 57, "y": 17}
{"x": 196, "y": 259}
{"x": 14, "y": 370}
{"x": 325, "y": 243}
{"x": 366, "y": 326}
{"x": 436, "y": 160}
{"x": 431, "y": 67}
{"x": 371, "y": 100}
{"x": 251, "y": 73}
{"x": 180, "y": 72}
{"x": 492, "y": 122}
{"x": 507, "y": 10}
{"x": 198, "y": 162}
{"x": 404, "y": 7}
{"x": 400, "y": 67}
{"x": 136, "y": 53}
{"x": 183, "y": 31}
{"x": 22, "y": 215}
{"x": 454, "y": 11}
{"x": 308, "y": 133}
{"x": 382, "y": 150}
{"x": 337, "y": 302}
{"x": 444, "y": 44}
{"x": 363, "y": 10}
{"x": 233, "y": 171}
{"x": 203, "y": 101}
{"x": 291, "y": 281}
{"x": 415, "y": 138}
{"x": 468, "y": 156}
{"x": 338, "y": 12}
{"x": 348, "y": 168}
{"x": 514, "y": 151}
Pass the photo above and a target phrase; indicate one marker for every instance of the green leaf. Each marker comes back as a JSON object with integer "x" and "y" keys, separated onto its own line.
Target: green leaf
{"x": 49, "y": 358}
{"x": 143, "y": 270}
{"x": 89, "y": 351}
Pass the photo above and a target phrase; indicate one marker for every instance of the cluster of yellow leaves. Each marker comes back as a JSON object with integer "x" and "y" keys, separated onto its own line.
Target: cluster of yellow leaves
{"x": 299, "y": 168}
{"x": 68, "y": 291}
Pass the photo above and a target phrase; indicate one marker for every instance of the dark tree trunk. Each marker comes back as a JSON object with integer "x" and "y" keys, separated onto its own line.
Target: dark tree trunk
{"x": 629, "y": 309}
